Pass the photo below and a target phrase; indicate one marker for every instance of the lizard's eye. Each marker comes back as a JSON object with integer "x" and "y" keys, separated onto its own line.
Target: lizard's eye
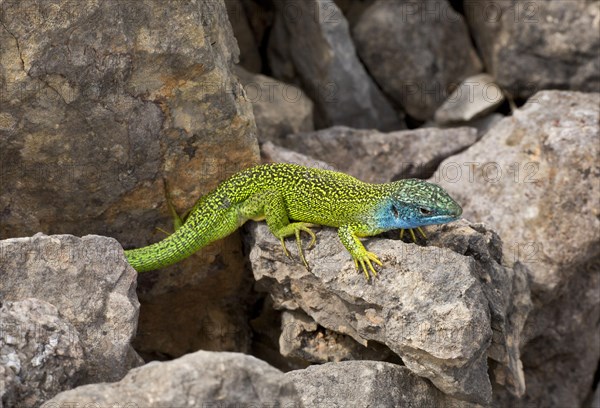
{"x": 424, "y": 211}
{"x": 394, "y": 211}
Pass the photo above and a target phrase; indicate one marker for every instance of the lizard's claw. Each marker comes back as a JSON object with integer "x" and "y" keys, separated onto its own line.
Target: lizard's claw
{"x": 412, "y": 233}
{"x": 313, "y": 238}
{"x": 365, "y": 260}
{"x": 285, "y": 250}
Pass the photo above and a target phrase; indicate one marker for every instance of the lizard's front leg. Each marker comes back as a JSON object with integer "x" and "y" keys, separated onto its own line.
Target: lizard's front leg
{"x": 349, "y": 236}
{"x": 270, "y": 206}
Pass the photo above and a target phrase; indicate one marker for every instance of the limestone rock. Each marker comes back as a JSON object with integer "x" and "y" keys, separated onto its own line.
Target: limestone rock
{"x": 531, "y": 46}
{"x": 416, "y": 51}
{"x": 110, "y": 107}
{"x": 279, "y": 108}
{"x": 368, "y": 384}
{"x": 534, "y": 178}
{"x": 276, "y": 154}
{"x": 302, "y": 338}
{"x": 202, "y": 378}
{"x": 473, "y": 98}
{"x": 90, "y": 284}
{"x": 434, "y": 307}
{"x": 311, "y": 45}
{"x": 388, "y": 156}
{"x": 40, "y": 353}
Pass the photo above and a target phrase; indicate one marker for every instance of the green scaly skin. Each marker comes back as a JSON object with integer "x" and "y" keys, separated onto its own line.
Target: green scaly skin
{"x": 281, "y": 192}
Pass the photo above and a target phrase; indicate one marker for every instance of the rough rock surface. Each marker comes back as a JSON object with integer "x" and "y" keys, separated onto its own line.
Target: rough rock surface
{"x": 279, "y": 108}
{"x": 434, "y": 307}
{"x": 368, "y": 384}
{"x": 416, "y": 51}
{"x": 90, "y": 284}
{"x": 103, "y": 106}
{"x": 534, "y": 178}
{"x": 302, "y": 338}
{"x": 311, "y": 45}
{"x": 272, "y": 153}
{"x": 389, "y": 156}
{"x": 201, "y": 379}
{"x": 40, "y": 353}
{"x": 473, "y": 98}
{"x": 530, "y": 46}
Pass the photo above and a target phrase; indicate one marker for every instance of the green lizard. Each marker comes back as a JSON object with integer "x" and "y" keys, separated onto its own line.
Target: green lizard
{"x": 281, "y": 192}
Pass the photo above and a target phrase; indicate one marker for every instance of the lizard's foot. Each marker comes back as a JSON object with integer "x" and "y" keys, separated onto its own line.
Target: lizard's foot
{"x": 365, "y": 260}
{"x": 295, "y": 229}
{"x": 412, "y": 233}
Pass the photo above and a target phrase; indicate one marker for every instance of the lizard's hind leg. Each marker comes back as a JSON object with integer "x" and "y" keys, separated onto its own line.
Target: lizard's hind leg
{"x": 270, "y": 205}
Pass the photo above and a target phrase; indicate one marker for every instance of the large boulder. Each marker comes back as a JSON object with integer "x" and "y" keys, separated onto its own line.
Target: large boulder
{"x": 529, "y": 46}
{"x": 451, "y": 311}
{"x": 203, "y": 378}
{"x": 107, "y": 110}
{"x": 534, "y": 178}
{"x": 416, "y": 51}
{"x": 310, "y": 44}
{"x": 84, "y": 304}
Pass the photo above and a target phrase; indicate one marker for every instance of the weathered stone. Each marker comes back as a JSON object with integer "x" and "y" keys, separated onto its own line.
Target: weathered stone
{"x": 199, "y": 379}
{"x": 402, "y": 154}
{"x": 474, "y": 97}
{"x": 434, "y": 307}
{"x": 40, "y": 353}
{"x": 531, "y": 46}
{"x": 105, "y": 104}
{"x": 92, "y": 286}
{"x": 302, "y": 338}
{"x": 311, "y": 45}
{"x": 279, "y": 108}
{"x": 416, "y": 51}
{"x": 276, "y": 154}
{"x": 534, "y": 177}
{"x": 368, "y": 384}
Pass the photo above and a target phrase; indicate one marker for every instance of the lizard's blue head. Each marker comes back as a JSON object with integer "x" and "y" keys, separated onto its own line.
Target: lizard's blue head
{"x": 414, "y": 203}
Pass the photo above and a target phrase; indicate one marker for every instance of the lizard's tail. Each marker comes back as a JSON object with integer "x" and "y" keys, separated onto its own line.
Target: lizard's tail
{"x": 176, "y": 247}
{"x": 206, "y": 223}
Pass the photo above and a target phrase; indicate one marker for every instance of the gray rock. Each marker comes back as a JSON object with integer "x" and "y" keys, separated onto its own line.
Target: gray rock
{"x": 90, "y": 284}
{"x": 275, "y": 154}
{"x": 40, "y": 353}
{"x": 534, "y": 177}
{"x": 310, "y": 45}
{"x": 106, "y": 103}
{"x": 416, "y": 51}
{"x": 368, "y": 384}
{"x": 434, "y": 307}
{"x": 531, "y": 46}
{"x": 279, "y": 108}
{"x": 203, "y": 378}
{"x": 302, "y": 338}
{"x": 473, "y": 98}
{"x": 390, "y": 156}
